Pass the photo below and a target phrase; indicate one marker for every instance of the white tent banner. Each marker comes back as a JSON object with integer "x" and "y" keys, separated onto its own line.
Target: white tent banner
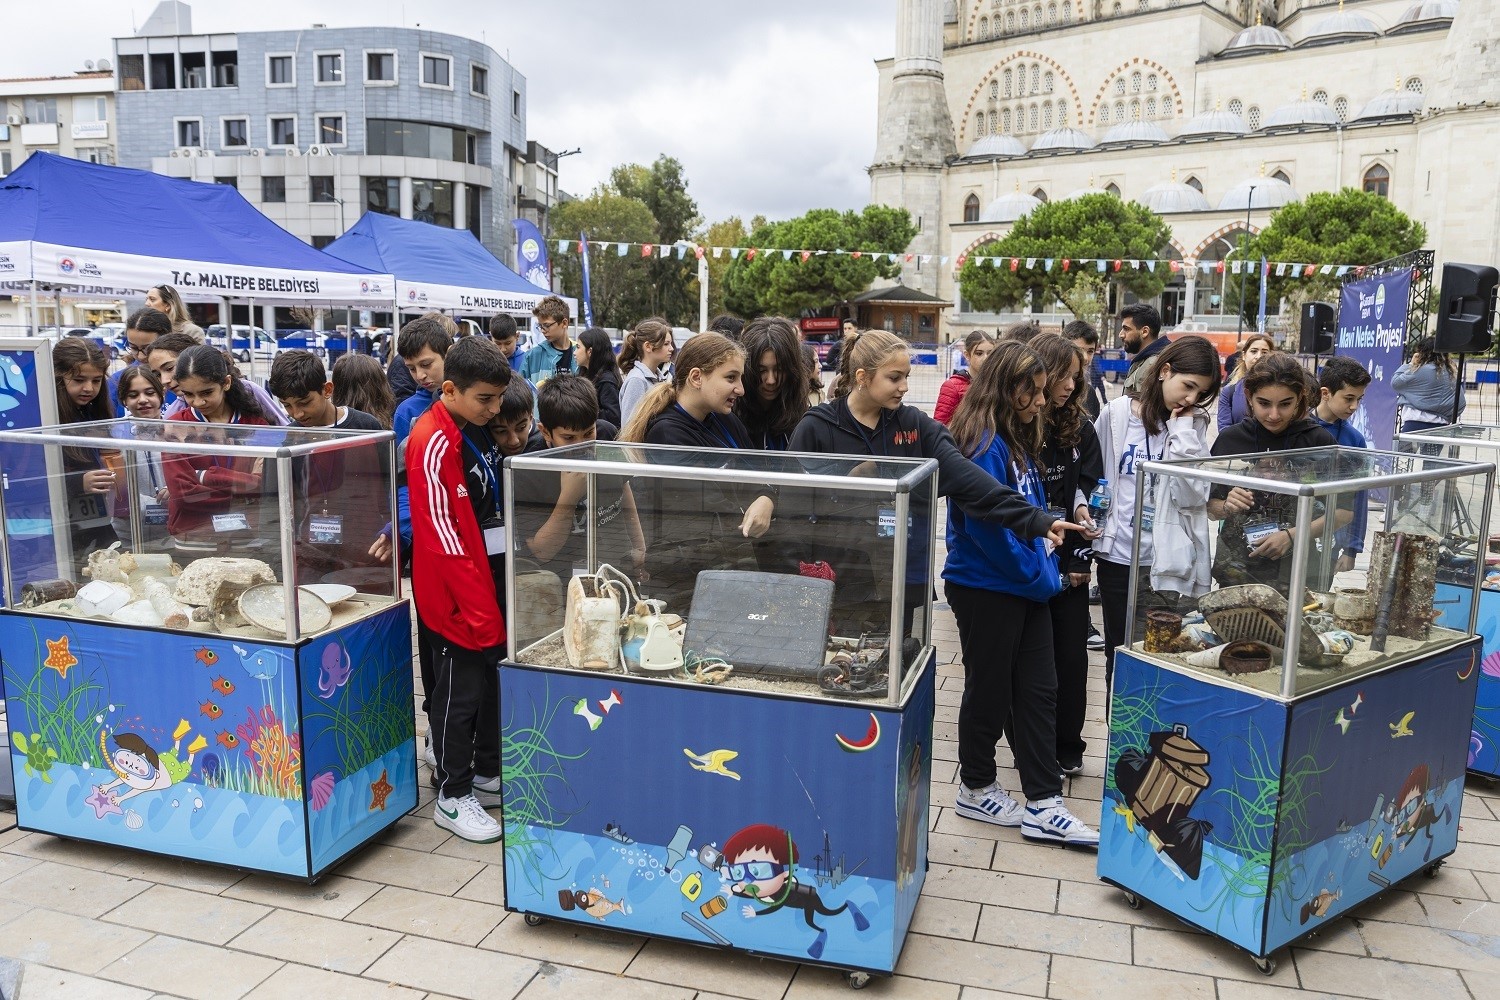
{"x": 422, "y": 295}
{"x": 107, "y": 272}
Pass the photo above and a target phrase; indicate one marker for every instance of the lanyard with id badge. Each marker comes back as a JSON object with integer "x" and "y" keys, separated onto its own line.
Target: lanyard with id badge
{"x": 153, "y": 511}
{"x": 323, "y": 528}
{"x": 1145, "y": 518}
{"x": 493, "y": 526}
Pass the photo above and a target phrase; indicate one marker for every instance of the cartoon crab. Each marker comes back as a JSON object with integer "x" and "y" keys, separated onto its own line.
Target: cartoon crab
{"x": 39, "y": 756}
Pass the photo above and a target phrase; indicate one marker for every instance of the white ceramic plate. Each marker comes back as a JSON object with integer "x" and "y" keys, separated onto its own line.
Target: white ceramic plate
{"x": 332, "y": 593}
{"x": 265, "y": 606}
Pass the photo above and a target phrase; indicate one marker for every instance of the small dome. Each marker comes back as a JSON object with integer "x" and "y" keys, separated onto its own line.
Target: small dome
{"x": 1342, "y": 26}
{"x": 1009, "y": 207}
{"x": 1081, "y": 192}
{"x": 1213, "y": 123}
{"x": 1398, "y": 103}
{"x": 1061, "y": 139}
{"x": 1303, "y": 114}
{"x": 1269, "y": 193}
{"x": 1174, "y": 196}
{"x": 996, "y": 145}
{"x": 1136, "y": 133}
{"x": 1256, "y": 39}
{"x": 1425, "y": 14}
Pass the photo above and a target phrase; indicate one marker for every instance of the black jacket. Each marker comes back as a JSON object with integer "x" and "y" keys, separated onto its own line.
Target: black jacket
{"x": 675, "y": 425}
{"x": 1248, "y": 437}
{"x": 1066, "y": 471}
{"x": 607, "y": 386}
{"x": 909, "y": 433}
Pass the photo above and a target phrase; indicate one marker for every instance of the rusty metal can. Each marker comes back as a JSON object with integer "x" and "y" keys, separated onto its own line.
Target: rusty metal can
{"x": 714, "y": 907}
{"x": 1162, "y": 629}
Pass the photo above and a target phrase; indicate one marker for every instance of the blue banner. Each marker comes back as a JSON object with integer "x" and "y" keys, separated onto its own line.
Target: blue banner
{"x": 26, "y": 402}
{"x": 588, "y": 306}
{"x": 1260, "y": 315}
{"x": 531, "y": 255}
{"x": 1372, "y": 331}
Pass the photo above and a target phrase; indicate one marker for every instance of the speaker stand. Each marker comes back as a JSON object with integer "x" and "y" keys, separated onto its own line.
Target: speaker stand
{"x": 1458, "y": 387}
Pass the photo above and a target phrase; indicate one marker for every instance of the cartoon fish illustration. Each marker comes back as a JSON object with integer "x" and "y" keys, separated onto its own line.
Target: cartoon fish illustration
{"x": 228, "y": 740}
{"x": 1359, "y": 699}
{"x": 262, "y": 665}
{"x": 335, "y": 670}
{"x": 1320, "y": 904}
{"x": 712, "y": 762}
{"x": 211, "y": 710}
{"x": 223, "y": 685}
{"x": 1342, "y": 721}
{"x": 206, "y": 656}
{"x": 1402, "y": 728}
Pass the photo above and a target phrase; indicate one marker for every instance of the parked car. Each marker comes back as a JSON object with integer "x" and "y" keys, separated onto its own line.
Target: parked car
{"x": 265, "y": 344}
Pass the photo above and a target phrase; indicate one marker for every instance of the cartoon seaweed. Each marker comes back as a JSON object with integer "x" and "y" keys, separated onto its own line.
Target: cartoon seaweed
{"x": 62, "y": 710}
{"x": 533, "y": 771}
{"x": 365, "y": 725}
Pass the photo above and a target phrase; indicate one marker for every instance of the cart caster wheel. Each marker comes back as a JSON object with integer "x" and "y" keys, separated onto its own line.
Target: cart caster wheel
{"x": 1133, "y": 901}
{"x": 1266, "y": 965}
{"x": 857, "y": 980}
{"x": 1431, "y": 871}
{"x": 535, "y": 920}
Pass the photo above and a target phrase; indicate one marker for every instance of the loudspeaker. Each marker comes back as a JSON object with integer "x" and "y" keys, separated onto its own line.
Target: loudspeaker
{"x": 1318, "y": 324}
{"x": 1466, "y": 308}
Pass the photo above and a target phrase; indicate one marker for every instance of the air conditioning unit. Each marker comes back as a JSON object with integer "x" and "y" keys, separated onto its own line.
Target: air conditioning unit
{"x": 14, "y": 120}
{"x": 203, "y": 152}
{"x": 293, "y": 151}
{"x": 184, "y": 152}
{"x": 257, "y": 152}
{"x": 316, "y": 150}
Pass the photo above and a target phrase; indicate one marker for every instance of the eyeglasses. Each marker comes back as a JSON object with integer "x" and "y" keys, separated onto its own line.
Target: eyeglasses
{"x": 552, "y": 325}
{"x": 753, "y": 871}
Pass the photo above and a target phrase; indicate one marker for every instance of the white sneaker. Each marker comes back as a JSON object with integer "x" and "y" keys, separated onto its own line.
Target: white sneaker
{"x": 467, "y": 818}
{"x": 427, "y": 754}
{"x": 1050, "y": 820}
{"x": 487, "y": 791}
{"x": 989, "y": 805}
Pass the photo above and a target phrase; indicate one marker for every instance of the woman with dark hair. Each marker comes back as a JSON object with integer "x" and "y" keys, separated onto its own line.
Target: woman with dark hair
{"x": 1168, "y": 419}
{"x": 1425, "y": 386}
{"x": 360, "y": 383}
{"x": 643, "y": 358}
{"x": 80, "y": 366}
{"x": 164, "y": 299}
{"x": 776, "y": 380}
{"x": 596, "y": 362}
{"x": 1232, "y": 405}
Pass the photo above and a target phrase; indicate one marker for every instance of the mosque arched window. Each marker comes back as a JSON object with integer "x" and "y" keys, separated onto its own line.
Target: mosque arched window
{"x": 971, "y": 208}
{"x": 1377, "y": 180}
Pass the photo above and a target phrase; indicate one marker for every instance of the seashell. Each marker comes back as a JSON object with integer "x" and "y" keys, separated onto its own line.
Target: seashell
{"x": 134, "y": 820}
{"x": 320, "y": 790}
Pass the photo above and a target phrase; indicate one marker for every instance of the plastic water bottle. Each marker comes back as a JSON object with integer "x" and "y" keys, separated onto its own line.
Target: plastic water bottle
{"x": 1100, "y": 501}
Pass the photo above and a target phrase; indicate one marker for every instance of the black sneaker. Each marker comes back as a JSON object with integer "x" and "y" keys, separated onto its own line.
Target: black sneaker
{"x": 1094, "y": 594}
{"x": 1095, "y": 640}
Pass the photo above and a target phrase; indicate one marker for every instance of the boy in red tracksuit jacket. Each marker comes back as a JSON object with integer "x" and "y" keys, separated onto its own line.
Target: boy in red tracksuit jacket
{"x": 454, "y": 590}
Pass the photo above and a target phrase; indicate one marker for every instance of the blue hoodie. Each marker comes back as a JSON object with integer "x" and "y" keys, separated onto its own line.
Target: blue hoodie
{"x": 985, "y": 556}
{"x": 1351, "y": 537}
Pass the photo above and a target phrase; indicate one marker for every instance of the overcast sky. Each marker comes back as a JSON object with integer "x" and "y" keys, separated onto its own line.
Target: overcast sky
{"x": 769, "y": 104}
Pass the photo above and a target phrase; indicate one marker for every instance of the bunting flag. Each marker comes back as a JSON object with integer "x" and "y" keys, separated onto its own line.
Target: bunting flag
{"x": 750, "y": 254}
{"x": 805, "y": 255}
{"x": 1015, "y": 262}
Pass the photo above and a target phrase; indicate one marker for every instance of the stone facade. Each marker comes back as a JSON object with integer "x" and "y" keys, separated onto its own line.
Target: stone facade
{"x": 1305, "y": 82}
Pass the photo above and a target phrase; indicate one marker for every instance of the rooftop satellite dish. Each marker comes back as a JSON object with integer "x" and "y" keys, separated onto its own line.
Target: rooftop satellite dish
{"x": 104, "y": 66}
{"x": 88, "y": 64}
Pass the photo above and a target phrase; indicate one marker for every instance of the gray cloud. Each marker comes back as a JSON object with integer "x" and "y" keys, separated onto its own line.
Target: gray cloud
{"x": 769, "y": 104}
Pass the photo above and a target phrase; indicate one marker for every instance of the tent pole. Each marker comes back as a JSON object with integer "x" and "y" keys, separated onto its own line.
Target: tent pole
{"x": 36, "y": 327}
{"x": 249, "y": 338}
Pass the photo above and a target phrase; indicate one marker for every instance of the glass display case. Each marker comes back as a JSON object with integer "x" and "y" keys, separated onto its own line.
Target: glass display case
{"x": 1473, "y": 443}
{"x": 1287, "y": 739}
{"x": 207, "y": 655}
{"x": 718, "y": 703}
{"x": 1278, "y": 614}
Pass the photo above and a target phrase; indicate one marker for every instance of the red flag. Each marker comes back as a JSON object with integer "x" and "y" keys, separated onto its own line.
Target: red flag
{"x": 1067, "y": 264}
{"x": 1119, "y": 264}
{"x": 1220, "y": 267}
{"x": 1015, "y": 262}
{"x": 806, "y": 254}
{"x": 698, "y": 252}
{"x": 750, "y": 253}
{"x": 856, "y": 254}
{"x": 909, "y": 257}
{"x": 645, "y": 249}
{"x": 580, "y": 246}
{"x": 1176, "y": 266}
{"x": 961, "y": 258}
{"x": 1310, "y": 270}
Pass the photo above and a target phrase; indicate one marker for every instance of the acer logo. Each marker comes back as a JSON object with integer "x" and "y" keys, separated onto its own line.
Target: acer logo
{"x": 757, "y": 618}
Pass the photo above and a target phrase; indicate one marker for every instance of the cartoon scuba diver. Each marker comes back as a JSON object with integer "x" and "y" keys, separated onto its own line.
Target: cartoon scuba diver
{"x": 1414, "y": 814}
{"x": 760, "y": 863}
{"x": 144, "y": 769}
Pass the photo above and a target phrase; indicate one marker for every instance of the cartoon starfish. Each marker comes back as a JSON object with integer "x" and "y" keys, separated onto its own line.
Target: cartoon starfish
{"x": 58, "y": 656}
{"x": 104, "y": 804}
{"x": 380, "y": 791}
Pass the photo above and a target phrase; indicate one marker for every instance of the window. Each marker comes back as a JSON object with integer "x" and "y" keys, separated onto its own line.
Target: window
{"x": 1040, "y": 195}
{"x": 984, "y": 29}
{"x": 283, "y": 131}
{"x": 1378, "y": 181}
{"x": 331, "y": 130}
{"x": 320, "y": 189}
{"x": 393, "y": 137}
{"x": 163, "y": 66}
{"x": 1047, "y": 115}
{"x": 1135, "y": 82}
{"x": 1005, "y": 121}
{"x": 1051, "y": 14}
{"x": 273, "y": 189}
{"x": 40, "y": 110}
{"x": 971, "y": 208}
{"x": 1047, "y": 83}
{"x": 1119, "y": 85}
{"x": 319, "y": 242}
{"x": 1341, "y": 108}
{"x": 236, "y": 132}
{"x": 1036, "y": 78}
{"x": 94, "y": 154}
{"x": 994, "y": 89}
{"x": 1237, "y": 107}
{"x": 1135, "y": 110}
{"x": 474, "y": 205}
{"x": 1168, "y": 109}
{"x": 1151, "y": 82}
{"x": 1104, "y": 114}
{"x": 1113, "y": 189}
{"x": 380, "y": 68}
{"x": 1195, "y": 184}
{"x": 1150, "y": 107}
{"x": 981, "y": 125}
{"x": 1252, "y": 117}
{"x": 132, "y": 72}
{"x": 1068, "y": 12}
{"x": 1007, "y": 83}
{"x": 190, "y": 132}
{"x": 226, "y": 69}
{"x": 479, "y": 80}
{"x": 281, "y": 70}
{"x": 90, "y": 109}
{"x": 228, "y": 181}
{"x": 1062, "y": 112}
{"x": 515, "y": 103}
{"x": 995, "y": 122}
{"x": 1010, "y": 20}
{"x": 432, "y": 201}
{"x": 1321, "y": 96}
{"x": 1281, "y": 176}
{"x": 1025, "y": 19}
{"x": 330, "y": 67}
{"x": 437, "y": 71}
{"x": 471, "y": 148}
{"x": 1034, "y": 118}
{"x": 4, "y": 162}
{"x": 383, "y": 195}
{"x": 1414, "y": 85}
{"x": 1119, "y": 111}
{"x": 194, "y": 70}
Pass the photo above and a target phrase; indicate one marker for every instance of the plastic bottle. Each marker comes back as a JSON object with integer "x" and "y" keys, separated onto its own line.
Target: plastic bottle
{"x": 1100, "y": 501}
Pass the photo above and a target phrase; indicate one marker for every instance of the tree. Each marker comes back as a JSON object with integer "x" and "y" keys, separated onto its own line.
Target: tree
{"x": 1346, "y": 227}
{"x": 773, "y": 283}
{"x": 730, "y": 232}
{"x": 1091, "y": 226}
{"x": 663, "y": 189}
{"x": 620, "y": 286}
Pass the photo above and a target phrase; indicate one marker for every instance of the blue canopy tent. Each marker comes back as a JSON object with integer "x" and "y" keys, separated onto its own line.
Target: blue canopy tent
{"x": 436, "y": 267}
{"x": 118, "y": 231}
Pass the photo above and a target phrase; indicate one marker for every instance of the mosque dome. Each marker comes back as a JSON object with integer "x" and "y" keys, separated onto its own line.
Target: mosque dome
{"x": 1303, "y": 114}
{"x": 1269, "y": 193}
{"x": 996, "y": 145}
{"x": 1341, "y": 26}
{"x": 1174, "y": 196}
{"x": 1212, "y": 124}
{"x": 1257, "y": 39}
{"x": 1134, "y": 133}
{"x": 1009, "y": 207}
{"x": 1057, "y": 140}
{"x": 1081, "y": 192}
{"x": 1397, "y": 103}
{"x": 1425, "y": 14}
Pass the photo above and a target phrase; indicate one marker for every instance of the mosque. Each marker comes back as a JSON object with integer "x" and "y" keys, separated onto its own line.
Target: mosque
{"x": 1214, "y": 114}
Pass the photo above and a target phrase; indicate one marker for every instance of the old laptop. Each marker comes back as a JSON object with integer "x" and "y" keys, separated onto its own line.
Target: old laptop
{"x": 763, "y": 623}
